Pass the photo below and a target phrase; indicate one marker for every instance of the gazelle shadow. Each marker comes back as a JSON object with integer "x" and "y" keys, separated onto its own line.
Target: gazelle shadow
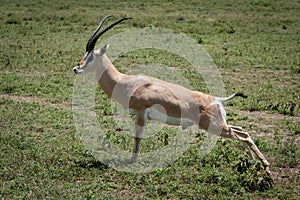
{"x": 89, "y": 164}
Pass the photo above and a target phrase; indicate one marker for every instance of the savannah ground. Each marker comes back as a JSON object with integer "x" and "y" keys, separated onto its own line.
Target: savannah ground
{"x": 255, "y": 44}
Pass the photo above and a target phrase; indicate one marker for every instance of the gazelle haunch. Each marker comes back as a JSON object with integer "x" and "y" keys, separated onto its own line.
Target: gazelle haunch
{"x": 150, "y": 97}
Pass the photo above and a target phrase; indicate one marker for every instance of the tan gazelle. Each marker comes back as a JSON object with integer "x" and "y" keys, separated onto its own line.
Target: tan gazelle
{"x": 150, "y": 97}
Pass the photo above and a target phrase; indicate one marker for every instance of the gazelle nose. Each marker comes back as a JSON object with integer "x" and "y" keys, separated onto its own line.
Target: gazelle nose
{"x": 76, "y": 71}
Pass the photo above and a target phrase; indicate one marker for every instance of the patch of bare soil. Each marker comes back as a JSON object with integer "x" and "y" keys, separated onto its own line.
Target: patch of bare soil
{"x": 34, "y": 99}
{"x": 35, "y": 74}
{"x": 260, "y": 114}
{"x": 265, "y": 121}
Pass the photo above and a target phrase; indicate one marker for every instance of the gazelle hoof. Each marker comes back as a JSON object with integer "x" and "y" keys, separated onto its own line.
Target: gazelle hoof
{"x": 267, "y": 169}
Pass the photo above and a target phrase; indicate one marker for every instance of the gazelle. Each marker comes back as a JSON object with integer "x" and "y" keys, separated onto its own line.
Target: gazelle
{"x": 150, "y": 97}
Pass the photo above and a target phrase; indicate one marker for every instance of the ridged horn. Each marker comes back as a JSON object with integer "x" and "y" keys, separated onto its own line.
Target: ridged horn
{"x": 95, "y": 36}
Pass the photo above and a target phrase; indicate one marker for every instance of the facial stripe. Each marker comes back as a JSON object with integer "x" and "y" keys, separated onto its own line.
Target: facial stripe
{"x": 83, "y": 59}
{"x": 87, "y": 58}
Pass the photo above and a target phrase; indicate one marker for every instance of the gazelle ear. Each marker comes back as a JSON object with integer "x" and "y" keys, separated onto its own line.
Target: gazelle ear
{"x": 104, "y": 49}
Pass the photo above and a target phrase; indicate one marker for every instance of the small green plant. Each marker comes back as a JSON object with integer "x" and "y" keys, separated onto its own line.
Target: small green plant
{"x": 251, "y": 175}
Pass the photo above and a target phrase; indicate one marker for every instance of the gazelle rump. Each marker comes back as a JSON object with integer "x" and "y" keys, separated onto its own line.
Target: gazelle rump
{"x": 151, "y": 97}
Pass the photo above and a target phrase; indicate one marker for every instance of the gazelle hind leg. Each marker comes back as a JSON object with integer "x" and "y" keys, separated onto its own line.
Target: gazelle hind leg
{"x": 246, "y": 139}
{"x": 238, "y": 128}
{"x": 249, "y": 152}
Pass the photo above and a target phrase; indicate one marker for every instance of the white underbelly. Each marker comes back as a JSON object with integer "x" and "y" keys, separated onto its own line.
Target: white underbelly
{"x": 156, "y": 115}
{"x": 164, "y": 118}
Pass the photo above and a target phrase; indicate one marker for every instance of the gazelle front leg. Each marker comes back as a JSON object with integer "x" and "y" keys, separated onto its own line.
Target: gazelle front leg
{"x": 139, "y": 131}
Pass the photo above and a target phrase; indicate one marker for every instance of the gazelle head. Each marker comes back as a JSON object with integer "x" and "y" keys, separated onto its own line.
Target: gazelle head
{"x": 90, "y": 55}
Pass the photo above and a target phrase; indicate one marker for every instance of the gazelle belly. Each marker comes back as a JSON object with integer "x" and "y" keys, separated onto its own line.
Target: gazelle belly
{"x": 163, "y": 117}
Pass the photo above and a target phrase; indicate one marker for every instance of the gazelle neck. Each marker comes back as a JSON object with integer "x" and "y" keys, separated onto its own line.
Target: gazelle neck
{"x": 107, "y": 75}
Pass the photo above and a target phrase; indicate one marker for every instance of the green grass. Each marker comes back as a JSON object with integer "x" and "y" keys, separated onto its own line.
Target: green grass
{"x": 255, "y": 45}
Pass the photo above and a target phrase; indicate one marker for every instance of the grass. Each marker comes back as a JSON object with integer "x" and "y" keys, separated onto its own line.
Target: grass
{"x": 255, "y": 45}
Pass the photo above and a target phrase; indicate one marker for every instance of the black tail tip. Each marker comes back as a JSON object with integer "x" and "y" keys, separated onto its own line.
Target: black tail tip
{"x": 239, "y": 94}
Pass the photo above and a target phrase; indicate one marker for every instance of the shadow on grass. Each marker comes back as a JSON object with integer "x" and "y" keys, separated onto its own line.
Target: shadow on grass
{"x": 89, "y": 164}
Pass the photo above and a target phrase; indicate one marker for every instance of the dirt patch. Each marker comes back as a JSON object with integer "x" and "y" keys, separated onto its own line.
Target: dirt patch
{"x": 34, "y": 99}
{"x": 265, "y": 121}
{"x": 35, "y": 74}
{"x": 260, "y": 114}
